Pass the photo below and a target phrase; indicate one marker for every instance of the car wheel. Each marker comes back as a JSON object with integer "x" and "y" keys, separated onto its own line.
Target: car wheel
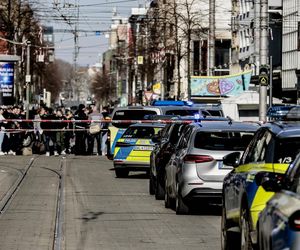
{"x": 180, "y": 208}
{"x": 151, "y": 185}
{"x": 229, "y": 240}
{"x": 245, "y": 229}
{"x": 168, "y": 202}
{"x": 159, "y": 191}
{"x": 121, "y": 173}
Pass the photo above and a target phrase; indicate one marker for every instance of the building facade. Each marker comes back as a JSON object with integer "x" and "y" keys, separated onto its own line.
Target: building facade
{"x": 291, "y": 48}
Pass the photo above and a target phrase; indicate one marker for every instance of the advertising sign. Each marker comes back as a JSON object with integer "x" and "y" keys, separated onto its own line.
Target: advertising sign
{"x": 230, "y": 85}
{"x": 6, "y": 83}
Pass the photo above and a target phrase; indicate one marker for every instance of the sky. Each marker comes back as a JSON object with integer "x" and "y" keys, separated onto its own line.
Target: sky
{"x": 94, "y": 15}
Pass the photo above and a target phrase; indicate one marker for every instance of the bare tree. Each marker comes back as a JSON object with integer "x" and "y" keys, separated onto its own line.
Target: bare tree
{"x": 103, "y": 89}
{"x": 180, "y": 22}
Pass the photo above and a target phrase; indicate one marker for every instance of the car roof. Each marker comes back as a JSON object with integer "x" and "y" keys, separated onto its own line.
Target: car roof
{"x": 227, "y": 126}
{"x": 148, "y": 125}
{"x": 283, "y": 129}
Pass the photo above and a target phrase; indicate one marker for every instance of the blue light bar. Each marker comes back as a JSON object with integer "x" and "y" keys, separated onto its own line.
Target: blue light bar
{"x": 172, "y": 103}
{"x": 279, "y": 112}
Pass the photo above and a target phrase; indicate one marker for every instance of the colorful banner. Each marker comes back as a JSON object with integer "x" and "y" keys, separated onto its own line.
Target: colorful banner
{"x": 230, "y": 85}
{"x": 6, "y": 83}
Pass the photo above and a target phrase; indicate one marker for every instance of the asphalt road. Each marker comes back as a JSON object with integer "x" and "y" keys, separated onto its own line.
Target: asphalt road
{"x": 76, "y": 203}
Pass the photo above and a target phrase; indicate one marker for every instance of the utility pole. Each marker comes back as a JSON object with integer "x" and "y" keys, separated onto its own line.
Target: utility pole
{"x": 28, "y": 79}
{"x": 264, "y": 55}
{"x": 76, "y": 42}
{"x": 271, "y": 83}
{"x": 256, "y": 59}
{"x": 211, "y": 37}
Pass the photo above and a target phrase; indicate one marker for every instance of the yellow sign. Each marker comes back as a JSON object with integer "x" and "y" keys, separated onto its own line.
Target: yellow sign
{"x": 140, "y": 60}
{"x": 263, "y": 80}
{"x": 156, "y": 88}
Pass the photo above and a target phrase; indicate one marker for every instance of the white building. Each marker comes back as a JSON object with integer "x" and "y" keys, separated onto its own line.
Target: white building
{"x": 290, "y": 44}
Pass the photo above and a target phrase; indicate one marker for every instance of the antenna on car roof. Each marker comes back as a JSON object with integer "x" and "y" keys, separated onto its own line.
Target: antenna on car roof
{"x": 229, "y": 120}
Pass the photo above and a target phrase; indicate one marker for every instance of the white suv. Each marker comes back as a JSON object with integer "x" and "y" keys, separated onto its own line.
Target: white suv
{"x": 196, "y": 171}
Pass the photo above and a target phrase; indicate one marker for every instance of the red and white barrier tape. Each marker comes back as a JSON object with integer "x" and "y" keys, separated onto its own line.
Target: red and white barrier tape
{"x": 46, "y": 130}
{"x": 95, "y": 121}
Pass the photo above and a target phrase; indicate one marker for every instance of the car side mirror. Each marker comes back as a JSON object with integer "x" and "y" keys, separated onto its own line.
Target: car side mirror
{"x": 271, "y": 182}
{"x": 156, "y": 138}
{"x": 232, "y": 159}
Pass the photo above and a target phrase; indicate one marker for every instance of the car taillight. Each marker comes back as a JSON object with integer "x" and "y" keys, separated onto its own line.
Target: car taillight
{"x": 294, "y": 221}
{"x": 197, "y": 158}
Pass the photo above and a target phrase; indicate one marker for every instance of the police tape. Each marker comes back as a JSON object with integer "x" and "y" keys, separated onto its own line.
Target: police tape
{"x": 20, "y": 130}
{"x": 96, "y": 121}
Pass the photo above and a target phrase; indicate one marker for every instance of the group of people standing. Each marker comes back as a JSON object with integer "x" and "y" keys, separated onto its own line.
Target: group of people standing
{"x": 54, "y": 131}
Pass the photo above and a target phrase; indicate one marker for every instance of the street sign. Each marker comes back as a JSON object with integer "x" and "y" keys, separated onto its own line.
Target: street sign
{"x": 148, "y": 95}
{"x": 263, "y": 80}
{"x": 140, "y": 60}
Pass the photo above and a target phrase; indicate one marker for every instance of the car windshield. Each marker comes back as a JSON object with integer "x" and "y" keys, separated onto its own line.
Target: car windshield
{"x": 130, "y": 115}
{"x": 230, "y": 140}
{"x": 286, "y": 150}
{"x": 141, "y": 132}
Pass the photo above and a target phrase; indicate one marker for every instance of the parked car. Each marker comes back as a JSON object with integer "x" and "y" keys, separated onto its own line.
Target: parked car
{"x": 123, "y": 117}
{"x": 132, "y": 150}
{"x": 279, "y": 223}
{"x": 196, "y": 171}
{"x": 163, "y": 150}
{"x": 161, "y": 155}
{"x": 274, "y": 146}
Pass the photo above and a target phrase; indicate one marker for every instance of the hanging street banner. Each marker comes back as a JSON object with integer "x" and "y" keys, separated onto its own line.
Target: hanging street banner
{"x": 230, "y": 85}
{"x": 6, "y": 83}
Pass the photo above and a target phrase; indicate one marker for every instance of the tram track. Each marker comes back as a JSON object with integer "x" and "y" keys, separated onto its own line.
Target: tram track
{"x": 15, "y": 187}
{"x": 59, "y": 210}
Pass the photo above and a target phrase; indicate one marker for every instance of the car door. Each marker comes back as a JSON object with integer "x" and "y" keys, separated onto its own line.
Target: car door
{"x": 260, "y": 158}
{"x": 180, "y": 154}
{"x": 234, "y": 184}
{"x": 171, "y": 168}
{"x": 158, "y": 151}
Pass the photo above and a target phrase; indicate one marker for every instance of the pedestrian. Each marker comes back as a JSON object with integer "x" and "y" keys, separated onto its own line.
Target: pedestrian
{"x": 2, "y": 130}
{"x": 38, "y": 144}
{"x": 49, "y": 136}
{"x": 61, "y": 133}
{"x": 69, "y": 134}
{"x": 104, "y": 132}
{"x": 94, "y": 131}
{"x": 14, "y": 135}
{"x": 80, "y": 134}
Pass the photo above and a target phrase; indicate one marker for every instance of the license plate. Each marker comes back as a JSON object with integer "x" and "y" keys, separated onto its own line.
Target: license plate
{"x": 143, "y": 148}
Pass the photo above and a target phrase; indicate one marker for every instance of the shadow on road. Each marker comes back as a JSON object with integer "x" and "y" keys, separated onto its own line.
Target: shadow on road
{"x": 134, "y": 175}
{"x": 212, "y": 210}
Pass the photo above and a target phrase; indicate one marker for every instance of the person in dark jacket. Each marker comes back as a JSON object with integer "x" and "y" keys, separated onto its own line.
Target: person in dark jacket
{"x": 80, "y": 136}
{"x": 49, "y": 135}
{"x": 69, "y": 134}
{"x": 14, "y": 135}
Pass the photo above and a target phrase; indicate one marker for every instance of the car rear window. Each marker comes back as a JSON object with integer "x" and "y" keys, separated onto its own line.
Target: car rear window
{"x": 223, "y": 140}
{"x": 140, "y": 132}
{"x": 183, "y": 112}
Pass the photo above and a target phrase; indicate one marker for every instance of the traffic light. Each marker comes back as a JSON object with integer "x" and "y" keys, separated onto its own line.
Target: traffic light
{"x": 264, "y": 70}
{"x": 264, "y": 75}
